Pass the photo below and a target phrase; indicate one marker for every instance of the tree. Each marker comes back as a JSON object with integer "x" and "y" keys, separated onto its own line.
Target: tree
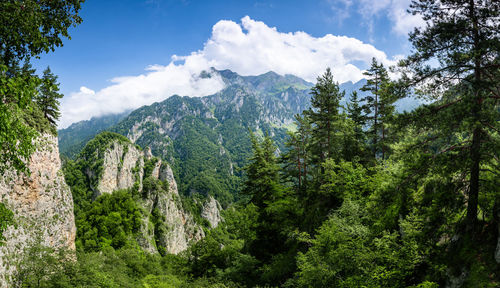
{"x": 275, "y": 208}
{"x": 325, "y": 118}
{"x": 29, "y": 28}
{"x": 297, "y": 158}
{"x": 379, "y": 105}
{"x": 48, "y": 95}
{"x": 462, "y": 37}
{"x": 356, "y": 112}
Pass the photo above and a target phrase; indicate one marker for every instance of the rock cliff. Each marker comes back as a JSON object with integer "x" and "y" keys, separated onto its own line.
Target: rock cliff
{"x": 166, "y": 227}
{"x": 211, "y": 211}
{"x": 42, "y": 205}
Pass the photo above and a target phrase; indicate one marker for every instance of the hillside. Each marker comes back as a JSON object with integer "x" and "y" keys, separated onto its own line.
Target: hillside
{"x": 73, "y": 139}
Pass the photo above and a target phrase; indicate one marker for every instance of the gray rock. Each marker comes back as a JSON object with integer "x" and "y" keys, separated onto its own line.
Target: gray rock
{"x": 42, "y": 204}
{"x": 211, "y": 211}
{"x": 124, "y": 166}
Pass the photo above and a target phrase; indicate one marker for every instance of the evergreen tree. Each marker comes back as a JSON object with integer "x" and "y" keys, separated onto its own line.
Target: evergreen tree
{"x": 356, "y": 112}
{"x": 379, "y": 106}
{"x": 325, "y": 118}
{"x": 264, "y": 188}
{"x": 297, "y": 158}
{"x": 48, "y": 96}
{"x": 462, "y": 35}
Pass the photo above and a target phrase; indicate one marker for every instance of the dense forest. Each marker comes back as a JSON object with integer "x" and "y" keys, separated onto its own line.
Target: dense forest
{"x": 359, "y": 196}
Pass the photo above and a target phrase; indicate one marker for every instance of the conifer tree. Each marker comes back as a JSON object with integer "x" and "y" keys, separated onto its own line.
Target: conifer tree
{"x": 48, "y": 96}
{"x": 264, "y": 188}
{"x": 462, "y": 36}
{"x": 325, "y": 118}
{"x": 379, "y": 105}
{"x": 356, "y": 112}
{"x": 297, "y": 158}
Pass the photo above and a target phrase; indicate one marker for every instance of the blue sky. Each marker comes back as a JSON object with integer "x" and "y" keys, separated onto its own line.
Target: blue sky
{"x": 123, "y": 38}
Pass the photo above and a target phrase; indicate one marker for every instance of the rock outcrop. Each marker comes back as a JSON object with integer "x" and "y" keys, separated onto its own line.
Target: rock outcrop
{"x": 125, "y": 166}
{"x": 42, "y": 205}
{"x": 211, "y": 211}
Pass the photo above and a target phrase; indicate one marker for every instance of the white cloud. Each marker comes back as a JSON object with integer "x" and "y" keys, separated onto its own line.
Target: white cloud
{"x": 248, "y": 48}
{"x": 394, "y": 10}
{"x": 131, "y": 92}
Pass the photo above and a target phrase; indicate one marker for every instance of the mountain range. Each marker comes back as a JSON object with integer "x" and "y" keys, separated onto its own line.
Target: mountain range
{"x": 206, "y": 139}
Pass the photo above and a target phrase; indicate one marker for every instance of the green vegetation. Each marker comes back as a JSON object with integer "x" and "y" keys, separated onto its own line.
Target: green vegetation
{"x": 127, "y": 267}
{"x": 109, "y": 221}
{"x": 360, "y": 196}
{"x": 6, "y": 219}
{"x": 28, "y": 29}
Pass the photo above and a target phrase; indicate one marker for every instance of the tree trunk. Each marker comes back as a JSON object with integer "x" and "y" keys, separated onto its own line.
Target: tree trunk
{"x": 475, "y": 152}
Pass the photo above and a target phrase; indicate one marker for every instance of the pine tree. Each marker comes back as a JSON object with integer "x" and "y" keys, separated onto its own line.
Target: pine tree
{"x": 264, "y": 188}
{"x": 379, "y": 105}
{"x": 325, "y": 118}
{"x": 297, "y": 158}
{"x": 356, "y": 112}
{"x": 48, "y": 96}
{"x": 462, "y": 36}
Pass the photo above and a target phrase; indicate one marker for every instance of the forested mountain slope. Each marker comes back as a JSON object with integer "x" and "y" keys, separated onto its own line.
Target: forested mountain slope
{"x": 73, "y": 139}
{"x": 206, "y": 139}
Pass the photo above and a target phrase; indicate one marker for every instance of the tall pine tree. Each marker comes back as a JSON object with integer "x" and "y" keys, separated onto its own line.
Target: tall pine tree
{"x": 379, "y": 106}
{"x": 48, "y": 97}
{"x": 462, "y": 37}
{"x": 325, "y": 118}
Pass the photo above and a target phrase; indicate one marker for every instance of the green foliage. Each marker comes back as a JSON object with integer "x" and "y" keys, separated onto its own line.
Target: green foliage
{"x": 16, "y": 138}
{"x": 325, "y": 118}
{"x": 223, "y": 253}
{"x": 149, "y": 165}
{"x": 111, "y": 220}
{"x": 463, "y": 118}
{"x": 48, "y": 97}
{"x": 6, "y": 219}
{"x": 379, "y": 107}
{"x": 345, "y": 253}
{"x": 127, "y": 267}
{"x": 28, "y": 29}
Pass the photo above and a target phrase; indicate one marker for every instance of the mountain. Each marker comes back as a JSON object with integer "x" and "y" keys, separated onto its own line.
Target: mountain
{"x": 206, "y": 139}
{"x": 74, "y": 138}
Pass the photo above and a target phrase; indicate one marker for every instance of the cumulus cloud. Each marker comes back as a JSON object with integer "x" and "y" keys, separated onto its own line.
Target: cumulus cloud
{"x": 248, "y": 48}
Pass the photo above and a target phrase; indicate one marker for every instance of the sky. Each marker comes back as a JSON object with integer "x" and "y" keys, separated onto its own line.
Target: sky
{"x": 130, "y": 53}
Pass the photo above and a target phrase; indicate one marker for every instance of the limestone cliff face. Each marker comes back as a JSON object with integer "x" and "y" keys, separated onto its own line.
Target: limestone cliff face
{"x": 182, "y": 228}
{"x": 42, "y": 204}
{"x": 123, "y": 167}
{"x": 211, "y": 211}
